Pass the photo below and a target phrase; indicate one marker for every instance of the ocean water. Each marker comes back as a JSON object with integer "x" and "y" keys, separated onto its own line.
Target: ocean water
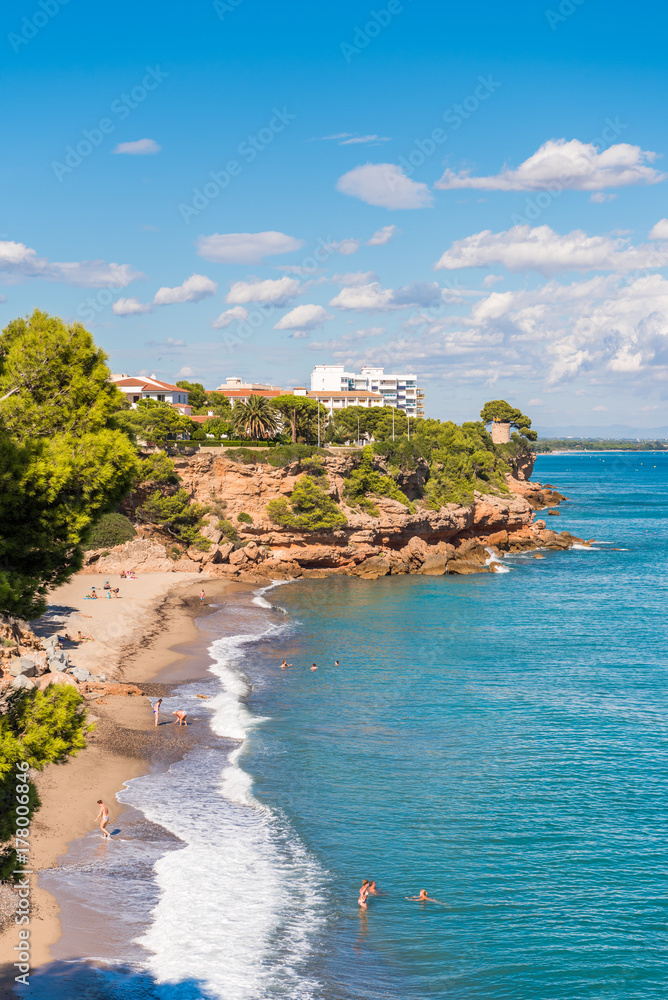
{"x": 500, "y": 741}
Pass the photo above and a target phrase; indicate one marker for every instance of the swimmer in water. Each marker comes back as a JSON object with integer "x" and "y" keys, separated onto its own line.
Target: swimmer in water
{"x": 423, "y": 897}
{"x": 364, "y": 892}
{"x": 336, "y": 663}
{"x": 313, "y": 667}
{"x": 103, "y": 817}
{"x": 373, "y": 890}
{"x": 285, "y": 665}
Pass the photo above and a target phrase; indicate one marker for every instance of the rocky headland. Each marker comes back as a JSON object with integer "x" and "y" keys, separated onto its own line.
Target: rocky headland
{"x": 458, "y": 538}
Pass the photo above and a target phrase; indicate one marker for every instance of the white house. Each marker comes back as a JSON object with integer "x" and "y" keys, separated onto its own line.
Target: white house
{"x": 139, "y": 387}
{"x": 342, "y": 399}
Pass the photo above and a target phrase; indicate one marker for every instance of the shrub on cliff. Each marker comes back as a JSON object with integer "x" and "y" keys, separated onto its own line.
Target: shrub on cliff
{"x": 461, "y": 461}
{"x": 365, "y": 481}
{"x": 111, "y": 529}
{"x": 309, "y": 508}
{"x": 39, "y": 728}
{"x": 176, "y": 515}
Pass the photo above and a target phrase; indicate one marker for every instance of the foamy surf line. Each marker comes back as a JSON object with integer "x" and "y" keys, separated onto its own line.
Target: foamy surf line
{"x": 240, "y": 905}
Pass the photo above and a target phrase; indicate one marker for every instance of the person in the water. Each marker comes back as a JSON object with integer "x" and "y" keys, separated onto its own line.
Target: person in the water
{"x": 423, "y": 897}
{"x": 364, "y": 892}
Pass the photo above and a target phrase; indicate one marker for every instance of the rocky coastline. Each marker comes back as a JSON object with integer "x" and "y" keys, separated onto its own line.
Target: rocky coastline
{"x": 457, "y": 539}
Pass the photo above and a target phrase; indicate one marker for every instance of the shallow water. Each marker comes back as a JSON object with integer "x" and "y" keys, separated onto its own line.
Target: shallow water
{"x": 499, "y": 740}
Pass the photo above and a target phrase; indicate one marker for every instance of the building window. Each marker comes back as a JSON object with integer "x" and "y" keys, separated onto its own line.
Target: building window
{"x": 161, "y": 397}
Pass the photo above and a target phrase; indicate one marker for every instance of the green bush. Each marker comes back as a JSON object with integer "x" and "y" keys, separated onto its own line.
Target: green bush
{"x": 228, "y": 530}
{"x": 366, "y": 480}
{"x": 309, "y": 508}
{"x": 199, "y": 434}
{"x": 176, "y": 515}
{"x": 111, "y": 529}
{"x": 39, "y": 728}
{"x": 244, "y": 518}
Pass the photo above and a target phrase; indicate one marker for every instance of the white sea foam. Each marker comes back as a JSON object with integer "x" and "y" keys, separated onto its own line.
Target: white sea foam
{"x": 493, "y": 558}
{"x": 240, "y": 903}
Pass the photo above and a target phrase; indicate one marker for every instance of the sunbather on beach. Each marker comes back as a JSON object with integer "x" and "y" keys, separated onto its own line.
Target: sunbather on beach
{"x": 84, "y": 638}
{"x": 180, "y": 718}
{"x": 106, "y": 585}
{"x": 103, "y": 817}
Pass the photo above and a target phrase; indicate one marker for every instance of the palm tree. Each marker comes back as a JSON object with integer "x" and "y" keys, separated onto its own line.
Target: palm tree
{"x": 256, "y": 418}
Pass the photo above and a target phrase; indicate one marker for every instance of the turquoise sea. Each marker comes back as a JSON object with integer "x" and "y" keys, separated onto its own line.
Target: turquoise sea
{"x": 499, "y": 740}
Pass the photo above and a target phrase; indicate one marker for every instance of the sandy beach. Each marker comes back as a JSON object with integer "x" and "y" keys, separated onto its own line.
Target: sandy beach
{"x": 142, "y": 637}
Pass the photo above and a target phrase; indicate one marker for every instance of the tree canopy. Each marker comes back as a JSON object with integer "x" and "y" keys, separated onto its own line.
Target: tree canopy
{"x": 301, "y": 414}
{"x": 256, "y": 418}
{"x": 197, "y": 393}
{"x": 62, "y": 462}
{"x": 499, "y": 409}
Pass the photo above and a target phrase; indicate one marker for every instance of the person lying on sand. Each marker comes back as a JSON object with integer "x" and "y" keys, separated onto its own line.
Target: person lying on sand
{"x": 103, "y": 817}
{"x": 180, "y": 718}
{"x": 84, "y": 638}
{"x": 423, "y": 897}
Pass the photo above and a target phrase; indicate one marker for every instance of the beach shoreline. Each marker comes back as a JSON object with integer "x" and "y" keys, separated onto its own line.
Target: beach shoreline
{"x": 151, "y": 639}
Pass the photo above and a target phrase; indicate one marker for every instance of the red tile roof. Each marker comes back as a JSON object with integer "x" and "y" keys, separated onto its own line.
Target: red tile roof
{"x": 145, "y": 386}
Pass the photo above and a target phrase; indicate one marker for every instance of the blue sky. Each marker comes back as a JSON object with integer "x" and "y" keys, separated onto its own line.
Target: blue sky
{"x": 536, "y": 196}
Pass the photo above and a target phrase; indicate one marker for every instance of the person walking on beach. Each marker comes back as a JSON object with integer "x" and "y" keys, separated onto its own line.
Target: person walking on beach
{"x": 364, "y": 892}
{"x": 202, "y": 595}
{"x": 156, "y": 711}
{"x": 180, "y": 718}
{"x": 103, "y": 817}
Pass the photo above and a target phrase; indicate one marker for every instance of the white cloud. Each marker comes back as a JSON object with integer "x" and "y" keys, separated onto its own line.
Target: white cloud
{"x": 600, "y": 198}
{"x": 186, "y": 372}
{"x": 194, "y": 289}
{"x": 535, "y": 402}
{"x": 130, "y": 307}
{"x": 20, "y": 262}
{"x": 491, "y": 279}
{"x": 356, "y": 139}
{"x": 245, "y": 248}
{"x": 238, "y": 313}
{"x": 304, "y": 317}
{"x": 659, "y": 231}
{"x": 524, "y": 248}
{"x": 566, "y": 164}
{"x": 344, "y": 247}
{"x": 279, "y": 291}
{"x": 356, "y": 278}
{"x": 142, "y": 147}
{"x": 382, "y": 236}
{"x": 385, "y": 185}
{"x": 300, "y": 335}
{"x": 372, "y": 297}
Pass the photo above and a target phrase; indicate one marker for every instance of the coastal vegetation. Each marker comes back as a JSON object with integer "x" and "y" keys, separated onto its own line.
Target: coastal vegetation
{"x": 309, "y": 508}
{"x": 547, "y": 445}
{"x": 112, "y": 529}
{"x": 38, "y": 728}
{"x": 366, "y": 482}
{"x": 177, "y": 515}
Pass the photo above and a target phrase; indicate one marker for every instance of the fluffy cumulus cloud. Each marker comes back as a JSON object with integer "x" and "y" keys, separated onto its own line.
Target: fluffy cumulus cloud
{"x": 372, "y": 297}
{"x": 524, "y": 248}
{"x": 304, "y": 317}
{"x": 141, "y": 147}
{"x": 384, "y": 185}
{"x": 561, "y": 164}
{"x": 19, "y": 262}
{"x": 279, "y": 291}
{"x": 194, "y": 289}
{"x": 236, "y": 314}
{"x": 382, "y": 236}
{"x": 659, "y": 231}
{"x": 352, "y": 245}
{"x": 245, "y": 248}
{"x": 607, "y": 326}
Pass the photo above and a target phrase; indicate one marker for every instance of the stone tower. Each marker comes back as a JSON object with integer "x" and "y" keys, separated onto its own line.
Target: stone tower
{"x": 500, "y": 432}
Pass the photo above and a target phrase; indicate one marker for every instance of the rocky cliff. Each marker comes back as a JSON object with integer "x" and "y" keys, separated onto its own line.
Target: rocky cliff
{"x": 458, "y": 538}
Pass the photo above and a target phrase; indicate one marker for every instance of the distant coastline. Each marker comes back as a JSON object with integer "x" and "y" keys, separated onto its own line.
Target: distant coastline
{"x": 560, "y": 446}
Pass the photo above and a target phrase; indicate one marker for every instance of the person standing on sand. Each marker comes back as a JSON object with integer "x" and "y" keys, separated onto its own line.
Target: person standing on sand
{"x": 103, "y": 817}
{"x": 156, "y": 711}
{"x": 202, "y": 595}
{"x": 180, "y": 718}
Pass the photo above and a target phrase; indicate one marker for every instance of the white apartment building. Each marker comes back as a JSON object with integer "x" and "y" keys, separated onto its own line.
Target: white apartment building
{"x": 401, "y": 391}
{"x": 139, "y": 387}
{"x": 342, "y": 399}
